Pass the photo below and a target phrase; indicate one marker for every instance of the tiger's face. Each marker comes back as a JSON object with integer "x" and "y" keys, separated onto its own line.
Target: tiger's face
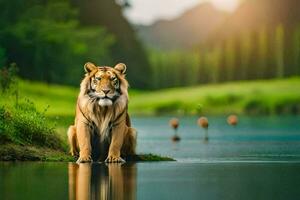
{"x": 105, "y": 83}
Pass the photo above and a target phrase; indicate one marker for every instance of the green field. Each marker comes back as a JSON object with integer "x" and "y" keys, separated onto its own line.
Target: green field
{"x": 245, "y": 97}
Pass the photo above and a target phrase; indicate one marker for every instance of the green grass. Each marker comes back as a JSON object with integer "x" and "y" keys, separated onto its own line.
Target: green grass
{"x": 22, "y": 124}
{"x": 27, "y": 134}
{"x": 60, "y": 99}
{"x": 243, "y": 97}
{"x": 148, "y": 157}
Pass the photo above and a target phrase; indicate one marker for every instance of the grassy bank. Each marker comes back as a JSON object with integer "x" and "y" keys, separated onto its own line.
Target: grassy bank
{"x": 14, "y": 152}
{"x": 27, "y": 134}
{"x": 244, "y": 97}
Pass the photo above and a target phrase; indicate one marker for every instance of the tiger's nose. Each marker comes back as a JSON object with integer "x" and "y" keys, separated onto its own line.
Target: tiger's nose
{"x": 106, "y": 91}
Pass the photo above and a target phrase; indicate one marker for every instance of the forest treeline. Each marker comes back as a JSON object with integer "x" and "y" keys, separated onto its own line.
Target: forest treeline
{"x": 50, "y": 40}
{"x": 251, "y": 55}
{"x": 260, "y": 40}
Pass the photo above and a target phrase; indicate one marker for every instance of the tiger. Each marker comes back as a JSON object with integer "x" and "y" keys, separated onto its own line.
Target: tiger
{"x": 102, "y": 128}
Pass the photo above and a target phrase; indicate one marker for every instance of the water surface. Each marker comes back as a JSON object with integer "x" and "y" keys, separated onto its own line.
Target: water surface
{"x": 258, "y": 159}
{"x": 253, "y": 139}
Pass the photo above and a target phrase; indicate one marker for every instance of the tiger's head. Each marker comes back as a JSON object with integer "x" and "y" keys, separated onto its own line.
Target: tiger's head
{"x": 106, "y": 84}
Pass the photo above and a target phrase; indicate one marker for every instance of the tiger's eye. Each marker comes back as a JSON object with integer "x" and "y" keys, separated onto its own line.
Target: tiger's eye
{"x": 115, "y": 81}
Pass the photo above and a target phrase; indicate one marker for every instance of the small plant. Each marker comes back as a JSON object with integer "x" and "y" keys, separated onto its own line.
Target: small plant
{"x": 8, "y": 77}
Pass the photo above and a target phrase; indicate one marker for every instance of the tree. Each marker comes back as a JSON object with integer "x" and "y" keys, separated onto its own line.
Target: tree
{"x": 48, "y": 44}
{"x": 279, "y": 51}
{"x": 126, "y": 48}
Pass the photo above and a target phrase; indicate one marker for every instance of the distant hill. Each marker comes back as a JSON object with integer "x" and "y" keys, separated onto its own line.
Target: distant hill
{"x": 186, "y": 31}
{"x": 252, "y": 15}
{"x": 204, "y": 22}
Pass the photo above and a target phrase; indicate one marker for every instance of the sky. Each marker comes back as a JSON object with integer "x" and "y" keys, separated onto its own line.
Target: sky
{"x": 147, "y": 11}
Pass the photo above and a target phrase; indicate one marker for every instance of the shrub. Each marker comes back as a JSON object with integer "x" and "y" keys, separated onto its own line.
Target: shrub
{"x": 8, "y": 77}
{"x": 287, "y": 106}
{"x": 170, "y": 107}
{"x": 24, "y": 125}
{"x": 257, "y": 107}
{"x": 222, "y": 99}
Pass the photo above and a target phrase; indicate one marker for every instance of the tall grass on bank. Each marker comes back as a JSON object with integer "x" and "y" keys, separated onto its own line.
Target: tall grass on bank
{"x": 22, "y": 124}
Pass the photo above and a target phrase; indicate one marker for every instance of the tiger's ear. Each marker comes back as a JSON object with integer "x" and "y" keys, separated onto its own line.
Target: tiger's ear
{"x": 88, "y": 67}
{"x": 121, "y": 67}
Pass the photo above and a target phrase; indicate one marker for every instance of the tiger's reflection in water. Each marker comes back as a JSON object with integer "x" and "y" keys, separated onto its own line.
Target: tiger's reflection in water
{"x": 100, "y": 181}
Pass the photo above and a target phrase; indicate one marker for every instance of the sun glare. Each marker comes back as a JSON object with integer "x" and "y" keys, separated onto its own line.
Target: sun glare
{"x": 228, "y": 5}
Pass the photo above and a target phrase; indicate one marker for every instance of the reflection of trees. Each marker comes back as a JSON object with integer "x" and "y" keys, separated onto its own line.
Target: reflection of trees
{"x": 99, "y": 181}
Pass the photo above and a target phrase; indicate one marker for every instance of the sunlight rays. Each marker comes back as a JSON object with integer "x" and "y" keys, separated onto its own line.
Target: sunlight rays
{"x": 228, "y": 5}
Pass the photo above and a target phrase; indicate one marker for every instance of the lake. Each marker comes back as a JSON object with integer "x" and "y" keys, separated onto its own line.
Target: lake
{"x": 257, "y": 159}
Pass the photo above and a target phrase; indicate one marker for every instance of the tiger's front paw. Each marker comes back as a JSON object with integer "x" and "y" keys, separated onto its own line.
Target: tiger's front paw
{"x": 74, "y": 153}
{"x": 84, "y": 159}
{"x": 114, "y": 159}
